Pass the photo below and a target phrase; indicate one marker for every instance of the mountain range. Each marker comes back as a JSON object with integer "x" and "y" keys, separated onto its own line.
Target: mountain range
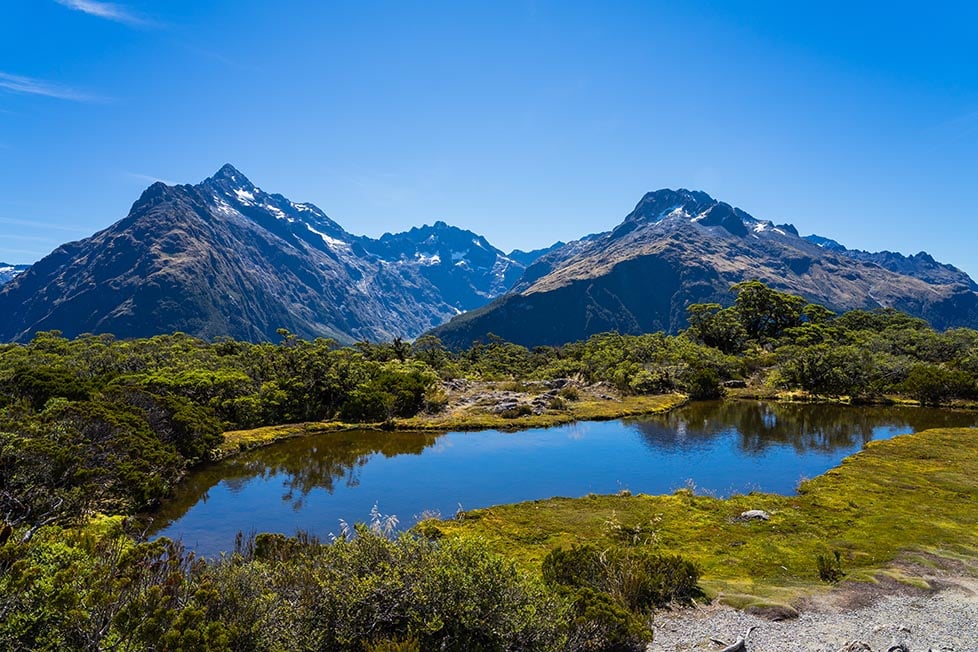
{"x": 225, "y": 258}
{"x": 679, "y": 247}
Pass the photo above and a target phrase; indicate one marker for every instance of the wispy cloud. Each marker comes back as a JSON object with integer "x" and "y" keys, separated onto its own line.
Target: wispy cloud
{"x": 964, "y": 124}
{"x": 107, "y": 10}
{"x": 150, "y": 178}
{"x": 958, "y": 127}
{"x": 27, "y": 238}
{"x": 27, "y": 252}
{"x": 31, "y": 86}
{"x": 41, "y": 224}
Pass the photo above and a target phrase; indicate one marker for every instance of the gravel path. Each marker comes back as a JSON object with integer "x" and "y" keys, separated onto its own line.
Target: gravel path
{"x": 942, "y": 621}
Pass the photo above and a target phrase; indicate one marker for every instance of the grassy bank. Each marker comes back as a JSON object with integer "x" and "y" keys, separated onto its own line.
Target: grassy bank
{"x": 914, "y": 493}
{"x": 586, "y": 409}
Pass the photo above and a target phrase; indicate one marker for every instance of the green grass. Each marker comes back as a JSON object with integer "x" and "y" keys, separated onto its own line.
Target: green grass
{"x": 913, "y": 493}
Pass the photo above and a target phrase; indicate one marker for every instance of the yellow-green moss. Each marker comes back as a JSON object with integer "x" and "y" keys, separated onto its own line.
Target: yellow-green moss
{"x": 239, "y": 440}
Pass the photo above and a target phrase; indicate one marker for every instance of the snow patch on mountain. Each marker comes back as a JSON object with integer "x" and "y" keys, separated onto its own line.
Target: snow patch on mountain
{"x": 427, "y": 260}
{"x": 277, "y": 212}
{"x": 333, "y": 243}
{"x": 762, "y": 226}
{"x": 244, "y": 196}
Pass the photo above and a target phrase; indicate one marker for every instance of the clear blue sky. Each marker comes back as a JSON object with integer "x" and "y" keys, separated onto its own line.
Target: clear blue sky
{"x": 524, "y": 121}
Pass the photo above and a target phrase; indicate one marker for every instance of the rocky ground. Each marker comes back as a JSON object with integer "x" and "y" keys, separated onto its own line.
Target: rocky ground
{"x": 526, "y": 397}
{"x": 855, "y": 617}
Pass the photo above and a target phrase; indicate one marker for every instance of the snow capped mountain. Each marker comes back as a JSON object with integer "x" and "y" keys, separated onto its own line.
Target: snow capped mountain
{"x": 679, "y": 247}
{"x": 232, "y": 192}
{"x": 224, "y": 257}
{"x": 462, "y": 264}
{"x": 825, "y": 243}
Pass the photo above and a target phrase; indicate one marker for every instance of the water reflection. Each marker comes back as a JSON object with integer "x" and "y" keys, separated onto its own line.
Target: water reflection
{"x": 759, "y": 426}
{"x": 722, "y": 447}
{"x": 319, "y": 462}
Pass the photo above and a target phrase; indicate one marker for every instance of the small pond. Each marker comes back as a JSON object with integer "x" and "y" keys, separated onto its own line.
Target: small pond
{"x": 714, "y": 447}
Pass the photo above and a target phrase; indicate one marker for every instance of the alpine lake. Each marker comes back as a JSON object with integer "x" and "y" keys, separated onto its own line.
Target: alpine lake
{"x": 317, "y": 483}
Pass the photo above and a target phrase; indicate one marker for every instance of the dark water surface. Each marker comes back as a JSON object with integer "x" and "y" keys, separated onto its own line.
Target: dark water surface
{"x": 717, "y": 447}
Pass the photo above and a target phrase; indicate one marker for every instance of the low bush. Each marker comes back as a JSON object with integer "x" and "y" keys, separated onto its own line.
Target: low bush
{"x": 637, "y": 579}
{"x": 516, "y": 412}
{"x": 830, "y": 568}
{"x": 570, "y": 393}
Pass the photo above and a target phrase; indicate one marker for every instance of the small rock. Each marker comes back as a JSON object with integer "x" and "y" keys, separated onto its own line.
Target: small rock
{"x": 755, "y": 514}
{"x": 855, "y": 646}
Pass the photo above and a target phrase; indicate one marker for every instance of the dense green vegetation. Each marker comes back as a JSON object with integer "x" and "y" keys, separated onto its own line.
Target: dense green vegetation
{"x": 97, "y": 588}
{"x": 99, "y": 426}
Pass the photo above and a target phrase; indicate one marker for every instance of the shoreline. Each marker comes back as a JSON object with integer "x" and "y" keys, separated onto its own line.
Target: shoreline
{"x": 600, "y": 403}
{"x": 464, "y": 414}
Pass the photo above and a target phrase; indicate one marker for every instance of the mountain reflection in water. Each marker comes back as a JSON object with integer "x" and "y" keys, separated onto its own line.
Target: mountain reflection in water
{"x": 805, "y": 427}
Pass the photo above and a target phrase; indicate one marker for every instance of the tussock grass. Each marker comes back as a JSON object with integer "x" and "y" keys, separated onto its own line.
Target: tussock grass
{"x": 913, "y": 493}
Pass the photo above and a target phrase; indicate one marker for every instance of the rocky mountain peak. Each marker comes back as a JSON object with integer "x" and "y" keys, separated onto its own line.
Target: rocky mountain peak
{"x": 229, "y": 173}
{"x": 230, "y": 183}
{"x": 157, "y": 193}
{"x": 725, "y": 215}
{"x": 655, "y": 206}
{"x": 680, "y": 247}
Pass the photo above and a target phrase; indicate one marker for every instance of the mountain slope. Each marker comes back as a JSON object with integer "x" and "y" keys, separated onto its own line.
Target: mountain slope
{"x": 680, "y": 247}
{"x": 225, "y": 258}
{"x": 921, "y": 265}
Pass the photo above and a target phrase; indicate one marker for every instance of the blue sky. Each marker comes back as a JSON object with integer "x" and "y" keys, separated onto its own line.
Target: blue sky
{"x": 524, "y": 121}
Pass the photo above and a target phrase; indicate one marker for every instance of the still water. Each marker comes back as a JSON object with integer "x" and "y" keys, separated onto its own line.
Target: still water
{"x": 715, "y": 447}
